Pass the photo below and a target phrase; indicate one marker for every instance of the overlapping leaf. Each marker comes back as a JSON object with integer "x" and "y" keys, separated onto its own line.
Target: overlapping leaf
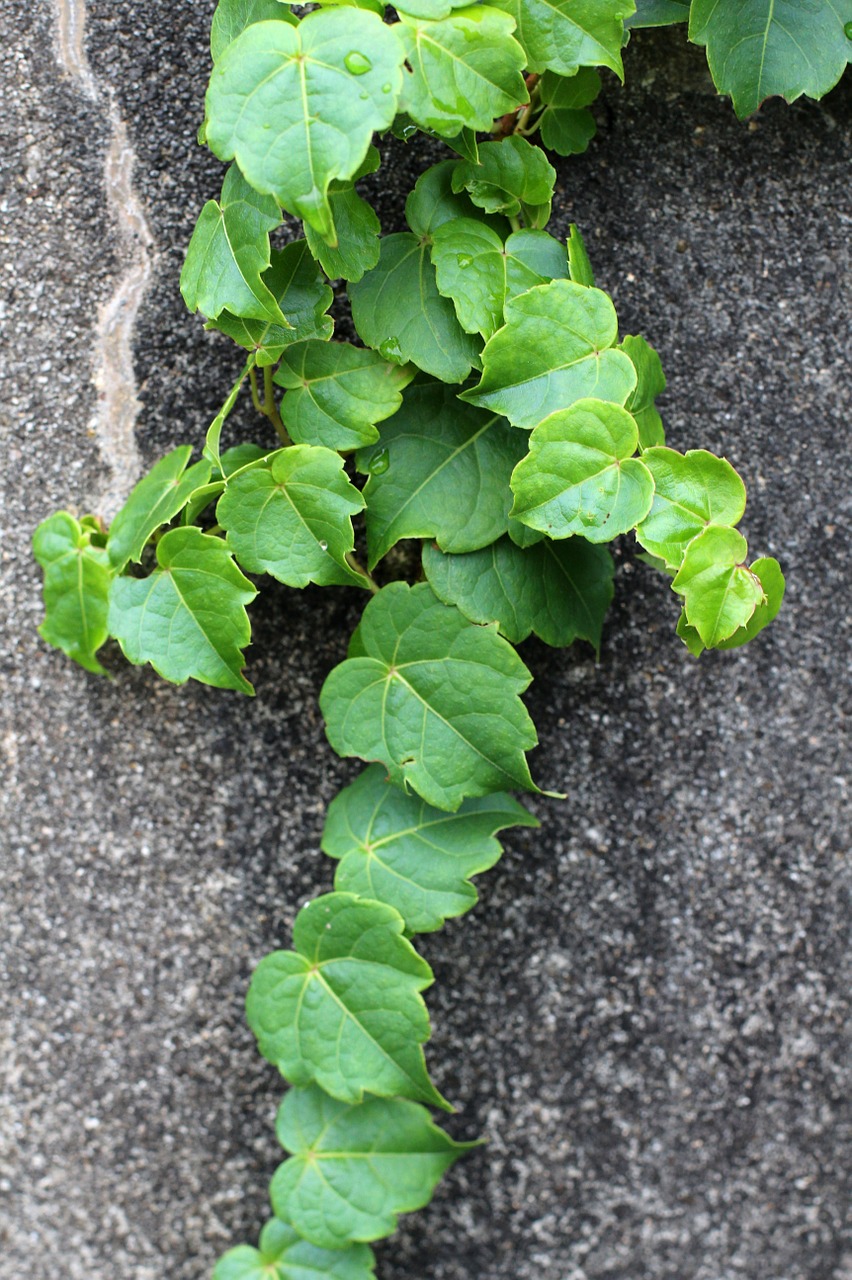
{"x": 433, "y": 697}
{"x": 282, "y": 1254}
{"x": 580, "y": 476}
{"x": 354, "y": 1169}
{"x": 433, "y": 202}
{"x": 650, "y": 383}
{"x": 556, "y": 347}
{"x": 768, "y": 572}
{"x": 344, "y": 1010}
{"x": 579, "y": 265}
{"x": 297, "y": 106}
{"x": 398, "y": 849}
{"x": 658, "y": 13}
{"x": 155, "y": 500}
{"x": 566, "y": 124}
{"x": 233, "y": 16}
{"x": 433, "y": 9}
{"x": 720, "y": 594}
{"x": 188, "y": 617}
{"x": 77, "y": 577}
{"x": 440, "y": 469}
{"x": 336, "y": 393}
{"x": 291, "y": 516}
{"x": 513, "y": 178}
{"x": 358, "y": 229}
{"x": 691, "y": 491}
{"x": 562, "y": 35}
{"x": 559, "y": 591}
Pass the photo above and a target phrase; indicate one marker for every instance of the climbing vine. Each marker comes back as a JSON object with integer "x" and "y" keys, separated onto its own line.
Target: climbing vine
{"x": 492, "y": 415}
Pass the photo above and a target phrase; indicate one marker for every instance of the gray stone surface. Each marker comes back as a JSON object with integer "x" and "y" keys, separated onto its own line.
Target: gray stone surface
{"x": 646, "y": 1013}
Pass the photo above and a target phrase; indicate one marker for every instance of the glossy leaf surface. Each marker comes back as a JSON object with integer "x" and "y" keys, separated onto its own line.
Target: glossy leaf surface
{"x": 720, "y": 594}
{"x": 282, "y": 1254}
{"x": 691, "y": 491}
{"x": 562, "y": 35}
{"x": 154, "y": 501}
{"x": 77, "y": 577}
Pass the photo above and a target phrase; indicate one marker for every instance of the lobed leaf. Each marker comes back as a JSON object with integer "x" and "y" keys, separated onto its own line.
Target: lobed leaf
{"x": 720, "y": 594}
{"x": 282, "y": 1254}
{"x": 154, "y": 501}
{"x": 562, "y": 35}
{"x": 691, "y": 491}
{"x": 513, "y": 178}
{"x": 566, "y": 125}
{"x": 77, "y": 576}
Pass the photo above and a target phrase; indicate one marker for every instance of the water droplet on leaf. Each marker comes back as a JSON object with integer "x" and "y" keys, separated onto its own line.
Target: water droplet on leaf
{"x": 379, "y": 463}
{"x": 389, "y": 350}
{"x": 464, "y": 260}
{"x": 386, "y": 88}
{"x": 357, "y": 63}
{"x": 847, "y": 31}
{"x": 323, "y": 545}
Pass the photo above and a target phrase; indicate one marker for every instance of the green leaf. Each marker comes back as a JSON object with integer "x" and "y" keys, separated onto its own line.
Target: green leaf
{"x": 283, "y": 1255}
{"x": 291, "y": 516}
{"x": 355, "y": 1168}
{"x": 757, "y": 48}
{"x": 466, "y": 70}
{"x": 77, "y": 575}
{"x": 214, "y": 431}
{"x": 466, "y": 145}
{"x": 433, "y": 697}
{"x": 692, "y": 490}
{"x": 304, "y": 296}
{"x": 720, "y": 594}
{"x": 297, "y": 106}
{"x": 768, "y": 571}
{"x": 479, "y": 272}
{"x": 440, "y": 470}
{"x": 579, "y": 265}
{"x": 188, "y": 617}
{"x": 658, "y": 13}
{"x": 337, "y": 393}
{"x": 513, "y": 177}
{"x": 562, "y": 35}
{"x": 344, "y": 1009}
{"x": 434, "y": 202}
{"x": 555, "y": 348}
{"x": 651, "y": 382}
{"x": 358, "y": 230}
{"x": 229, "y": 252}
{"x": 430, "y": 8}
{"x": 567, "y": 127}
{"x": 580, "y": 476}
{"x": 233, "y": 16}
{"x": 561, "y": 592}
{"x": 154, "y": 501}
{"x": 396, "y": 848}
{"x": 397, "y": 310}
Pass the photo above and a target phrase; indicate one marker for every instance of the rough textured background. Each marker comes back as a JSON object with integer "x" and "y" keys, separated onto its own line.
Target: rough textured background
{"x": 645, "y": 1015}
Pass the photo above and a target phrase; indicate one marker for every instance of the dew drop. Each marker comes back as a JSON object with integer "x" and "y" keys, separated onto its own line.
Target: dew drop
{"x": 386, "y": 88}
{"x": 323, "y": 545}
{"x": 357, "y": 63}
{"x": 464, "y": 260}
{"x": 389, "y": 350}
{"x": 364, "y": 95}
{"x": 379, "y": 463}
{"x": 847, "y": 31}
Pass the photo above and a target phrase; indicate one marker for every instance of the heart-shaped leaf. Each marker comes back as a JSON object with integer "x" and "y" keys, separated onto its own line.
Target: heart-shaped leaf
{"x": 720, "y": 594}
{"x": 282, "y": 1254}
{"x": 77, "y": 576}
{"x": 691, "y": 491}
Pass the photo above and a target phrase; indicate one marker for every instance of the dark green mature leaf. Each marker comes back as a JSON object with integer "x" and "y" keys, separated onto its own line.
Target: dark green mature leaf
{"x": 768, "y": 571}
{"x": 466, "y": 70}
{"x": 233, "y": 16}
{"x": 297, "y": 106}
{"x": 187, "y": 618}
{"x": 757, "y": 48}
{"x": 398, "y": 849}
{"x": 567, "y": 127}
{"x": 561, "y": 592}
{"x": 282, "y": 1254}
{"x": 479, "y": 272}
{"x": 337, "y": 393}
{"x": 720, "y": 594}
{"x": 440, "y": 470}
{"x": 304, "y": 296}
{"x": 562, "y": 35}
{"x": 513, "y": 177}
{"x": 344, "y": 1009}
{"x": 355, "y": 1168}
{"x": 556, "y": 347}
{"x": 651, "y": 382}
{"x": 77, "y": 575}
{"x": 692, "y": 490}
{"x": 229, "y": 252}
{"x": 358, "y": 229}
{"x": 291, "y": 516}
{"x": 433, "y": 697}
{"x": 155, "y": 500}
{"x": 434, "y": 202}
{"x": 397, "y": 310}
{"x": 580, "y": 476}
{"x": 658, "y": 13}
{"x": 579, "y": 265}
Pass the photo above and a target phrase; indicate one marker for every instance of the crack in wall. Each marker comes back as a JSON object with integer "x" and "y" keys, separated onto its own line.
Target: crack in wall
{"x": 113, "y": 371}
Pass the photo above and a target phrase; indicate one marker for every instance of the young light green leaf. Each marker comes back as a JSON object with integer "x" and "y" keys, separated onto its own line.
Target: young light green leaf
{"x": 440, "y": 469}
{"x": 768, "y": 571}
{"x": 691, "y": 491}
{"x": 567, "y": 127}
{"x": 337, "y": 393}
{"x": 559, "y": 591}
{"x": 556, "y": 347}
{"x": 579, "y": 265}
{"x": 580, "y": 476}
{"x": 358, "y": 230}
{"x": 291, "y": 516}
{"x": 187, "y": 618}
{"x": 720, "y": 594}
{"x": 344, "y": 1009}
{"x": 434, "y": 202}
{"x": 77, "y": 576}
{"x": 282, "y": 1254}
{"x": 214, "y": 431}
{"x": 513, "y": 177}
{"x": 229, "y": 252}
{"x": 658, "y": 13}
{"x": 297, "y": 106}
{"x": 466, "y": 70}
{"x": 689, "y": 636}
{"x": 479, "y": 272}
{"x": 156, "y": 499}
{"x": 355, "y": 1168}
{"x": 233, "y": 16}
{"x": 395, "y": 848}
{"x": 562, "y": 35}
{"x": 433, "y": 9}
{"x": 397, "y": 310}
{"x": 650, "y": 383}
{"x": 757, "y": 48}
{"x": 304, "y": 296}
{"x": 433, "y": 697}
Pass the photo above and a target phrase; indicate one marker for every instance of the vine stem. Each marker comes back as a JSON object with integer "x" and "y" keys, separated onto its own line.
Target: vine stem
{"x": 266, "y": 405}
{"x": 359, "y": 569}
